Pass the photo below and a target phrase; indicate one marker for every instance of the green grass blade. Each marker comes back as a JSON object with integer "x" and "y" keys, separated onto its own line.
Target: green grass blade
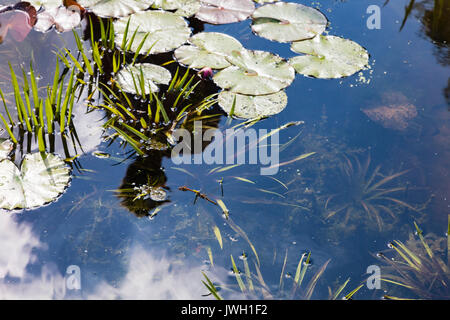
{"x": 238, "y": 276}
{"x": 211, "y": 287}
{"x": 6, "y": 108}
{"x": 8, "y": 129}
{"x": 218, "y": 236}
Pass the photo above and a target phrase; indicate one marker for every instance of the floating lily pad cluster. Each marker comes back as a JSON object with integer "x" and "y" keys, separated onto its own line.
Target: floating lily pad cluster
{"x": 252, "y": 81}
{"x": 238, "y": 71}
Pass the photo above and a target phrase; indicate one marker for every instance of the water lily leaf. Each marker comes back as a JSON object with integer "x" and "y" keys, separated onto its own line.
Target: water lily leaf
{"x": 328, "y": 57}
{"x": 153, "y": 75}
{"x": 18, "y": 20}
{"x": 115, "y": 8}
{"x": 62, "y": 18}
{"x": 166, "y": 31}
{"x": 255, "y": 73}
{"x": 287, "y": 22}
{"x": 251, "y": 107}
{"x": 225, "y": 11}
{"x": 41, "y": 179}
{"x": 5, "y": 148}
{"x": 185, "y": 8}
{"x": 208, "y": 49}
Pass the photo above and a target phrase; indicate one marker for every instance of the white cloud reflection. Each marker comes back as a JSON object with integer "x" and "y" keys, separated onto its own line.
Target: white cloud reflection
{"x": 154, "y": 278}
{"x": 147, "y": 276}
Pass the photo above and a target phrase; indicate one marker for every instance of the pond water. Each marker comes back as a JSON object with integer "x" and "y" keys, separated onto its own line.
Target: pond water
{"x": 159, "y": 249}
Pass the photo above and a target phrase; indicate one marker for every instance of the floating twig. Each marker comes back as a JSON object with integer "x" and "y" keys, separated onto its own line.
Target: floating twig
{"x": 197, "y": 194}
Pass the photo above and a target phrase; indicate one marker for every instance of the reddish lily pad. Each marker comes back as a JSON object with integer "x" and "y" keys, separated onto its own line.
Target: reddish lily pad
{"x": 17, "y": 22}
{"x": 64, "y": 19}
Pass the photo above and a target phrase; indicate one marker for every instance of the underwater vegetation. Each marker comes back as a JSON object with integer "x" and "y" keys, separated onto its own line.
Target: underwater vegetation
{"x": 252, "y": 285}
{"x": 419, "y": 266}
{"x": 366, "y": 192}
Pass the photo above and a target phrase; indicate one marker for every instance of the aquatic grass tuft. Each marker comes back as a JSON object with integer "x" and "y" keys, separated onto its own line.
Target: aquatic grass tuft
{"x": 48, "y": 110}
{"x": 366, "y": 192}
{"x": 418, "y": 269}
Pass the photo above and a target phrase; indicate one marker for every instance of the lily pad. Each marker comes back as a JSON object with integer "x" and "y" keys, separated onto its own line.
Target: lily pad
{"x": 329, "y": 57}
{"x": 185, "y": 8}
{"x": 166, "y": 31}
{"x": 251, "y": 107}
{"x": 255, "y": 73}
{"x": 18, "y": 20}
{"x": 225, "y": 11}
{"x": 41, "y": 179}
{"x": 62, "y": 18}
{"x": 287, "y": 22}
{"x": 115, "y": 8}
{"x": 153, "y": 75}
{"x": 208, "y": 50}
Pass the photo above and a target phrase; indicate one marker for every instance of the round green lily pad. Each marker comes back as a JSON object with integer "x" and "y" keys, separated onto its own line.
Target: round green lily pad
{"x": 41, "y": 179}
{"x": 225, "y": 11}
{"x": 166, "y": 31}
{"x": 329, "y": 57}
{"x": 251, "y": 107}
{"x": 208, "y": 49}
{"x": 185, "y": 8}
{"x": 115, "y": 8}
{"x": 130, "y": 79}
{"x": 287, "y": 22}
{"x": 255, "y": 73}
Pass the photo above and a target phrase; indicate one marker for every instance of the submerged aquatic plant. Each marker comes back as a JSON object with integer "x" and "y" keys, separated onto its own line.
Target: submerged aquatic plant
{"x": 252, "y": 284}
{"x": 362, "y": 191}
{"x": 418, "y": 267}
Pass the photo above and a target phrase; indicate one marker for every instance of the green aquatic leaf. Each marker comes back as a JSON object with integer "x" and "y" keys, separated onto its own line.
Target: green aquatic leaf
{"x": 218, "y": 236}
{"x": 225, "y": 11}
{"x": 153, "y": 75}
{"x": 41, "y": 179}
{"x": 208, "y": 49}
{"x": 287, "y": 22}
{"x": 115, "y": 8}
{"x": 166, "y": 31}
{"x": 255, "y": 73}
{"x": 185, "y": 8}
{"x": 251, "y": 107}
{"x": 329, "y": 57}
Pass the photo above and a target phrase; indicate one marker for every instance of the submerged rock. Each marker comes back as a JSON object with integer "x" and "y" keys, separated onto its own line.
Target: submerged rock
{"x": 396, "y": 112}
